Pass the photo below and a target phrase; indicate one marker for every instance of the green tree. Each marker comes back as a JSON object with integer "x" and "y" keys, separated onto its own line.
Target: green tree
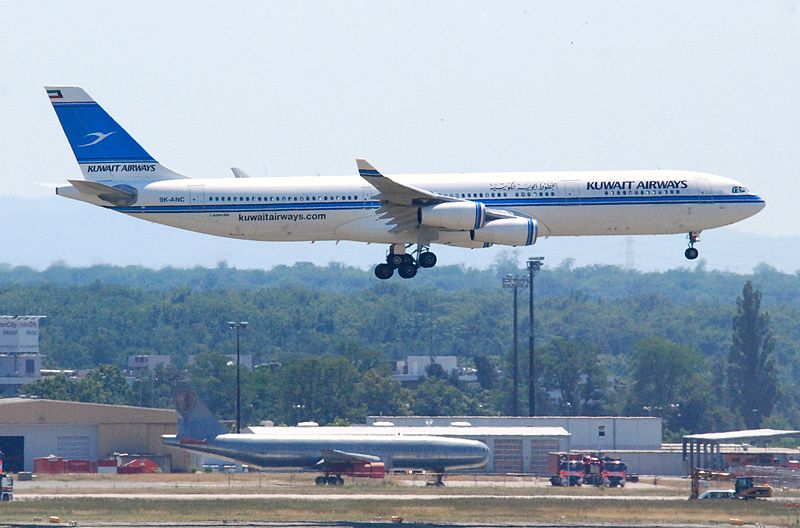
{"x": 752, "y": 376}
{"x": 382, "y": 395}
{"x": 672, "y": 381}
{"x": 436, "y": 397}
{"x": 213, "y": 377}
{"x": 487, "y": 371}
{"x": 321, "y": 389}
{"x": 58, "y": 387}
{"x": 574, "y": 370}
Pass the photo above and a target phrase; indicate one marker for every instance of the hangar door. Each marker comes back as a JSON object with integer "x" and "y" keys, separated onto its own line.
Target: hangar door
{"x": 539, "y": 449}
{"x": 507, "y": 455}
{"x": 13, "y": 447}
{"x": 73, "y": 447}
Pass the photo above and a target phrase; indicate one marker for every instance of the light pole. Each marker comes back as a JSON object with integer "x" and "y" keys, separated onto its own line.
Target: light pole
{"x": 534, "y": 265}
{"x": 234, "y": 325}
{"x": 515, "y": 283}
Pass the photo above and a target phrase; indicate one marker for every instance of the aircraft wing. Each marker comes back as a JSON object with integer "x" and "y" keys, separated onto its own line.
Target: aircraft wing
{"x": 399, "y": 202}
{"x": 335, "y": 456}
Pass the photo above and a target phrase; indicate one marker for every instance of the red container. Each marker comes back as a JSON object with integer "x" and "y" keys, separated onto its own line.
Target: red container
{"x": 49, "y": 465}
{"x": 80, "y": 466}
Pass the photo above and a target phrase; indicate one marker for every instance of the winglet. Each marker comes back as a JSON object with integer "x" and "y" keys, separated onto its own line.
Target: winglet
{"x": 239, "y": 173}
{"x": 366, "y": 169}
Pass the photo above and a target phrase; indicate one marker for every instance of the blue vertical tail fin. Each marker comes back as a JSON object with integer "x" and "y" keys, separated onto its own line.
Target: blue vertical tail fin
{"x": 103, "y": 149}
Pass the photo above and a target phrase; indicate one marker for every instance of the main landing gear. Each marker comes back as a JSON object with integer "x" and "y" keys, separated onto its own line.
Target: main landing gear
{"x": 691, "y": 253}
{"x": 329, "y": 480}
{"x": 437, "y": 480}
{"x": 405, "y": 263}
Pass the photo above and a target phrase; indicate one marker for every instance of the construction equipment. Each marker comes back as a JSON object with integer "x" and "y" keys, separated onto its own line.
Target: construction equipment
{"x": 744, "y": 488}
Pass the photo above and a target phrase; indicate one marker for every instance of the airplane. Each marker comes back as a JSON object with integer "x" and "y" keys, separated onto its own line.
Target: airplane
{"x": 403, "y": 211}
{"x": 361, "y": 452}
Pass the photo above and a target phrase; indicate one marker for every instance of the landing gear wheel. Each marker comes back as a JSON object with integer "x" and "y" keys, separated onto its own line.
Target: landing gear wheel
{"x": 395, "y": 260}
{"x": 427, "y": 259}
{"x": 407, "y": 271}
{"x": 691, "y": 253}
{"x": 319, "y": 481}
{"x": 384, "y": 271}
{"x": 331, "y": 481}
{"x": 408, "y": 260}
{"x": 339, "y": 481}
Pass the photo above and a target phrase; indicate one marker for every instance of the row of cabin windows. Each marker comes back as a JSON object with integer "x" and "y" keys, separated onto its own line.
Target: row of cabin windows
{"x": 671, "y": 191}
{"x": 351, "y": 197}
{"x": 278, "y": 198}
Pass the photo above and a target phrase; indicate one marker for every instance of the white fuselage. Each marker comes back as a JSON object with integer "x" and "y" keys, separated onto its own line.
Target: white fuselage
{"x": 344, "y": 207}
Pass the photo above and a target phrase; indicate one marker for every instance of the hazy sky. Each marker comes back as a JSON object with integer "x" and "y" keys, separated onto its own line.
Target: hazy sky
{"x": 295, "y": 88}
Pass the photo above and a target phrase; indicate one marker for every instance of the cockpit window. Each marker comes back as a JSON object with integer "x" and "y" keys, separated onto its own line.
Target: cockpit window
{"x": 738, "y": 190}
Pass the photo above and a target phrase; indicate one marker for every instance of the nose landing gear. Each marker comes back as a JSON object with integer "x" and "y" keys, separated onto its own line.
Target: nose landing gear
{"x": 691, "y": 253}
{"x": 405, "y": 263}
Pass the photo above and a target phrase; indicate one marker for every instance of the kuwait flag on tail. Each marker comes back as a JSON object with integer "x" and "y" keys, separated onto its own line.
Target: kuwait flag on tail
{"x": 55, "y": 94}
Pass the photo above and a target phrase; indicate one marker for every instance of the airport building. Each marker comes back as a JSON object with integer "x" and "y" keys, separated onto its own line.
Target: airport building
{"x": 590, "y": 433}
{"x": 32, "y": 428}
{"x": 637, "y": 440}
{"x": 20, "y": 360}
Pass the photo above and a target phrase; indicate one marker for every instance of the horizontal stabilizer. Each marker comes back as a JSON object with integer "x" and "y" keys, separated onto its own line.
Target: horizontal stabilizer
{"x": 121, "y": 195}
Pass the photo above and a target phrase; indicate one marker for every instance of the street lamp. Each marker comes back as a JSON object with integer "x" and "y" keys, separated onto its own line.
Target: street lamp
{"x": 515, "y": 283}
{"x": 234, "y": 325}
{"x": 534, "y": 265}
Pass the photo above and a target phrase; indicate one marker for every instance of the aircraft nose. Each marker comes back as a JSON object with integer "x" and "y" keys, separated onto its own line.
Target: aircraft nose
{"x": 480, "y": 452}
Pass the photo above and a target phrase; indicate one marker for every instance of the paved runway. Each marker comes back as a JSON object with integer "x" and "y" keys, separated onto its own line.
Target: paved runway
{"x": 334, "y": 496}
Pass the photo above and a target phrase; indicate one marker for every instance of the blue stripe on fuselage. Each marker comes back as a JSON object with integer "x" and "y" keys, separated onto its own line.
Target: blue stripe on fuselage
{"x": 501, "y": 202}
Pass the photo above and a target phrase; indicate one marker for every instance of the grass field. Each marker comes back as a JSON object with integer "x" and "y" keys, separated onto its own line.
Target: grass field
{"x": 513, "y": 502}
{"x": 561, "y": 511}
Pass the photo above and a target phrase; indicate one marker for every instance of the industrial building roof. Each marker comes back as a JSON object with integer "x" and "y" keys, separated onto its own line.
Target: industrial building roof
{"x": 40, "y": 411}
{"x": 460, "y": 431}
{"x": 747, "y": 434}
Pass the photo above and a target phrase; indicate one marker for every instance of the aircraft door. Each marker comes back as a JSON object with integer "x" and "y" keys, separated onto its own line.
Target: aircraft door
{"x": 704, "y": 190}
{"x": 197, "y": 197}
{"x": 571, "y": 192}
{"x": 366, "y": 196}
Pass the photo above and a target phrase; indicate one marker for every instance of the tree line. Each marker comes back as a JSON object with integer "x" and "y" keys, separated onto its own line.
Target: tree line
{"x": 609, "y": 341}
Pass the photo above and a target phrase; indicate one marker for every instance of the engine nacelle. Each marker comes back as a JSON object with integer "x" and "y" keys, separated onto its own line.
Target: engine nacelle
{"x": 460, "y": 216}
{"x": 507, "y": 232}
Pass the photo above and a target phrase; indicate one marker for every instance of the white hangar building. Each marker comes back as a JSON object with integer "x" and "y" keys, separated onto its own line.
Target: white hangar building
{"x": 32, "y": 428}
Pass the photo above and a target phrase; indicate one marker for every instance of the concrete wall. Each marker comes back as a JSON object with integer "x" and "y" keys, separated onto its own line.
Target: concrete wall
{"x": 659, "y": 463}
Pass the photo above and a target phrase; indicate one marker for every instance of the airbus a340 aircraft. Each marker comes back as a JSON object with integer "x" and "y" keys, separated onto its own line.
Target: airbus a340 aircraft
{"x": 404, "y": 211}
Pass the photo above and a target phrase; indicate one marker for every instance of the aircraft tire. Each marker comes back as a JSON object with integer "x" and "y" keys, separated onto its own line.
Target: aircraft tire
{"x": 691, "y": 253}
{"x": 408, "y": 260}
{"x": 332, "y": 480}
{"x": 407, "y": 271}
{"x": 339, "y": 481}
{"x": 384, "y": 271}
{"x": 319, "y": 481}
{"x": 427, "y": 259}
{"x": 394, "y": 260}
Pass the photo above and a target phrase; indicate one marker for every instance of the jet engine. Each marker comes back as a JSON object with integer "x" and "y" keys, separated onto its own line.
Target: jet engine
{"x": 507, "y": 232}
{"x": 460, "y": 216}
